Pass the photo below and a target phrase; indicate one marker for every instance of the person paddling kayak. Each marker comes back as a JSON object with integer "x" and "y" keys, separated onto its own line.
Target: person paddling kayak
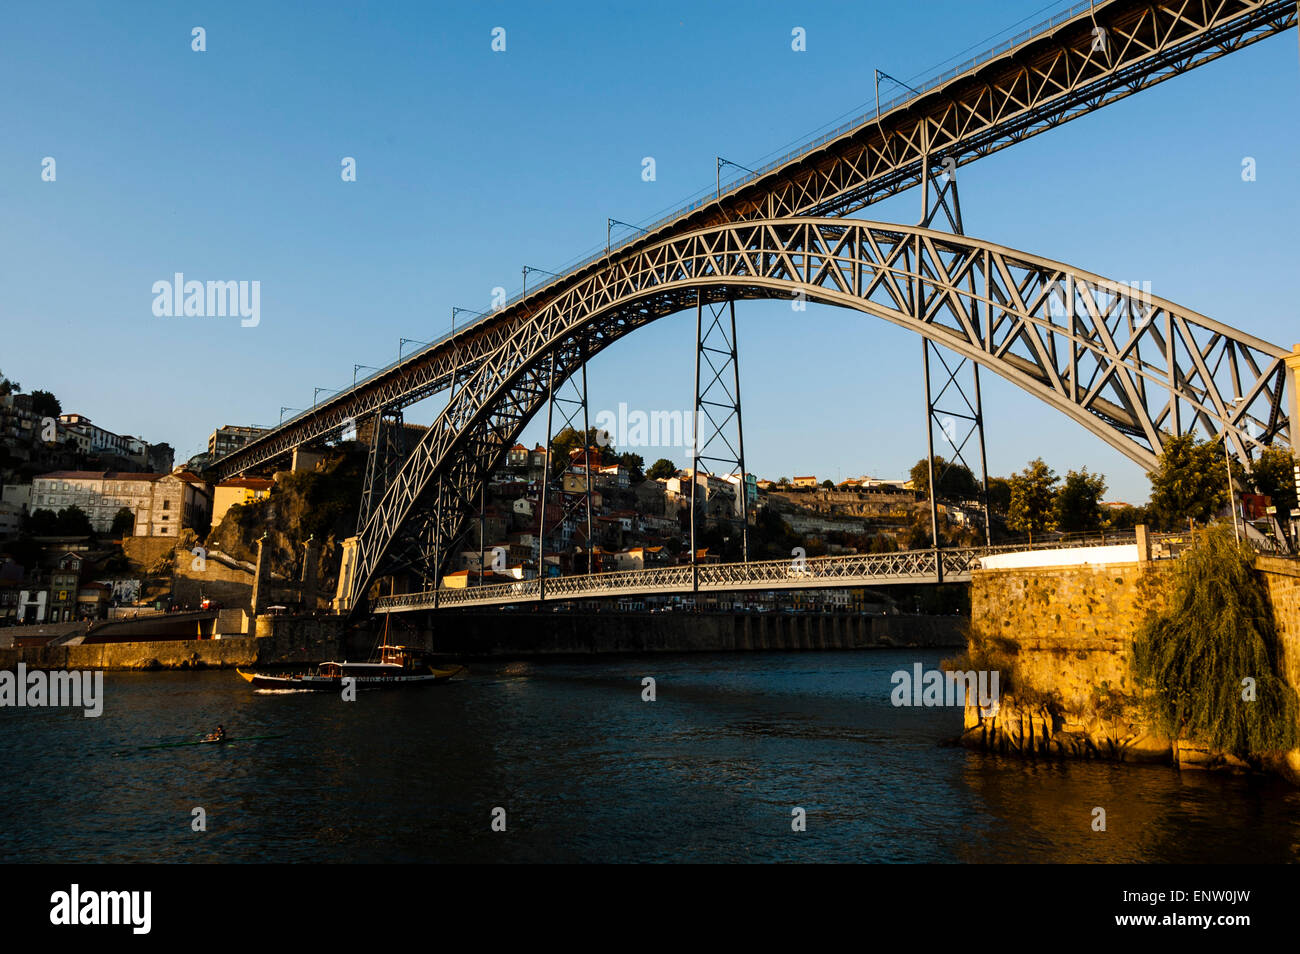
{"x": 217, "y": 735}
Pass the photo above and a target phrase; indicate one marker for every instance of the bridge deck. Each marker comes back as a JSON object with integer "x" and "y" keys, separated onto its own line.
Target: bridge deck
{"x": 869, "y": 569}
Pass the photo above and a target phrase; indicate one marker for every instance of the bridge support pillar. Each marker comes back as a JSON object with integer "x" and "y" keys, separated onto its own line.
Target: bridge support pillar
{"x": 962, "y": 412}
{"x": 1293, "y": 388}
{"x": 573, "y": 411}
{"x": 261, "y": 578}
{"x": 310, "y": 557}
{"x": 717, "y": 405}
{"x": 347, "y": 569}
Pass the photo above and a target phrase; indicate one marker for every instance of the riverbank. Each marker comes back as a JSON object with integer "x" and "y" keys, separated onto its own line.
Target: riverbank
{"x": 1063, "y": 638}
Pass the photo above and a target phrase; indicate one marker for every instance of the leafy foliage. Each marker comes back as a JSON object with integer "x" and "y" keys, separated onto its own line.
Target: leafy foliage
{"x": 954, "y": 480}
{"x": 1217, "y": 631}
{"x": 1078, "y": 503}
{"x": 662, "y": 468}
{"x": 999, "y": 494}
{"x": 123, "y": 522}
{"x": 1033, "y": 498}
{"x": 569, "y": 440}
{"x": 1189, "y": 483}
{"x": 634, "y": 464}
{"x": 45, "y": 404}
{"x": 71, "y": 521}
{"x": 1274, "y": 476}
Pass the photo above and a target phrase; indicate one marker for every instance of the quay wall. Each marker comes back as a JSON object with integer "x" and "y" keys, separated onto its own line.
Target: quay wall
{"x": 163, "y": 654}
{"x": 1064, "y": 636}
{"x": 305, "y": 639}
{"x": 506, "y": 634}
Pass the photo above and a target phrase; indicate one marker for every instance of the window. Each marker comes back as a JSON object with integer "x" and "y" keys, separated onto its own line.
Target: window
{"x": 167, "y": 505}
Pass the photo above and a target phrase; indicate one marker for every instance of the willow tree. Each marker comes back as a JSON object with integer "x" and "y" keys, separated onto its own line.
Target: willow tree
{"x": 1211, "y": 659}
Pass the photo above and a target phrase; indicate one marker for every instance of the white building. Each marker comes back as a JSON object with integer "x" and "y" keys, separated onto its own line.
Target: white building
{"x": 161, "y": 503}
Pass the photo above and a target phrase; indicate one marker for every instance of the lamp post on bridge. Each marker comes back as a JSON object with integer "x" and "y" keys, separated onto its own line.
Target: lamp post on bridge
{"x": 1227, "y": 460}
{"x": 403, "y": 342}
{"x": 358, "y": 367}
{"x": 530, "y": 268}
{"x": 609, "y": 228}
{"x": 283, "y": 409}
{"x": 719, "y": 163}
{"x": 469, "y": 311}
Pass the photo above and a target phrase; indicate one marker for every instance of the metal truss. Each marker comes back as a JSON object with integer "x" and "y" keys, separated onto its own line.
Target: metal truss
{"x": 1133, "y": 370}
{"x": 939, "y": 194}
{"x": 573, "y": 413}
{"x": 863, "y": 569}
{"x": 1048, "y": 79}
{"x": 387, "y": 451}
{"x": 1109, "y": 51}
{"x": 717, "y": 407}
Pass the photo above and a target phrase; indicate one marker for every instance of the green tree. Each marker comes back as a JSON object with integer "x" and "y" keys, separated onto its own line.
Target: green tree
{"x": 1190, "y": 482}
{"x": 1217, "y": 632}
{"x": 42, "y": 523}
{"x": 955, "y": 481}
{"x": 8, "y": 387}
{"x": 882, "y": 543}
{"x": 828, "y": 484}
{"x": 634, "y": 463}
{"x": 46, "y": 404}
{"x": 999, "y": 494}
{"x": 662, "y": 469}
{"x": 1274, "y": 475}
{"x": 123, "y": 523}
{"x": 1033, "y": 495}
{"x": 1125, "y": 518}
{"x": 73, "y": 522}
{"x": 569, "y": 440}
{"x": 1078, "y": 502}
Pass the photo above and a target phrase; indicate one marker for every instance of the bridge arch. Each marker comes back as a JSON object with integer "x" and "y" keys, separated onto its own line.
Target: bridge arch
{"x": 1133, "y": 368}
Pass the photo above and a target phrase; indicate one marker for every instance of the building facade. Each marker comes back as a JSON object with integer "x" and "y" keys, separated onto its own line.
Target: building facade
{"x": 229, "y": 438}
{"x": 162, "y": 504}
{"x": 238, "y": 492}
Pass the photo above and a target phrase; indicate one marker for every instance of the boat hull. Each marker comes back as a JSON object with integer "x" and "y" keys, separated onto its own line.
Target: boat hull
{"x": 319, "y": 683}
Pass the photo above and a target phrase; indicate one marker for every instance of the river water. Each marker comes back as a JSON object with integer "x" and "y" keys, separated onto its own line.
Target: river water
{"x": 587, "y": 771}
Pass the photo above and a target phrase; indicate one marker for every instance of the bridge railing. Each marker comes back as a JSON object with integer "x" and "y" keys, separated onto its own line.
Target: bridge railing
{"x": 858, "y": 568}
{"x": 847, "y": 570}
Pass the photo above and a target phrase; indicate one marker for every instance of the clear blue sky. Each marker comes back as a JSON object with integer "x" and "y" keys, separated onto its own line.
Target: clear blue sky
{"x": 225, "y": 165}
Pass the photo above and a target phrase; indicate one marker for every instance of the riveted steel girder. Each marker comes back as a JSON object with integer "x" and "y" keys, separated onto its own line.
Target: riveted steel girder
{"x": 1038, "y": 82}
{"x": 1134, "y": 370}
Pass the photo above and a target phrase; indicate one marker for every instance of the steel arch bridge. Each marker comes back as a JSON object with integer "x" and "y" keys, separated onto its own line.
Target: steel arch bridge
{"x": 1040, "y": 79}
{"x": 1134, "y": 370}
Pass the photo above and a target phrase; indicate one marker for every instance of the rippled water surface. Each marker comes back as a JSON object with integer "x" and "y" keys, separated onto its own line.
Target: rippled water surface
{"x": 587, "y": 771}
